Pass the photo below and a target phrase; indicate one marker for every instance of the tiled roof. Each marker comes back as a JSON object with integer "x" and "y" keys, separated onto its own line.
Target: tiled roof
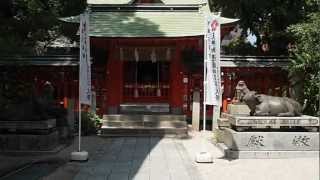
{"x": 146, "y": 24}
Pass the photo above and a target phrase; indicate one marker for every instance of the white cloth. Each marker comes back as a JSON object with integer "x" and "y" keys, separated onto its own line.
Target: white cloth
{"x": 85, "y": 94}
{"x": 212, "y": 62}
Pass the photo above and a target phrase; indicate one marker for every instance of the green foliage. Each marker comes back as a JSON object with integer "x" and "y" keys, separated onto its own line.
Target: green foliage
{"x": 240, "y": 47}
{"x": 305, "y": 59}
{"x": 91, "y": 122}
{"x": 28, "y": 26}
{"x": 13, "y": 90}
{"x": 267, "y": 20}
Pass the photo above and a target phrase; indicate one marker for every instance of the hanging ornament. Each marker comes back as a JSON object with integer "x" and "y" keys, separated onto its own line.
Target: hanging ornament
{"x": 121, "y": 54}
{"x": 168, "y": 54}
{"x": 136, "y": 93}
{"x": 158, "y": 92}
{"x": 153, "y": 56}
{"x": 265, "y": 47}
{"x": 136, "y": 54}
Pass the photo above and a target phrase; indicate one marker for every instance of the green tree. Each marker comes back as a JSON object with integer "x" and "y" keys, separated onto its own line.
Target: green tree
{"x": 305, "y": 59}
{"x": 28, "y": 26}
{"x": 281, "y": 23}
{"x": 267, "y": 20}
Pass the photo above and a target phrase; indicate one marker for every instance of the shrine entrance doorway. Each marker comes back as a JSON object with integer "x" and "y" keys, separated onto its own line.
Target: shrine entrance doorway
{"x": 146, "y": 81}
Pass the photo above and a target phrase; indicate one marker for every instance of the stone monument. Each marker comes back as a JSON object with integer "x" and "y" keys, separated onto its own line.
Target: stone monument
{"x": 29, "y": 122}
{"x": 274, "y": 127}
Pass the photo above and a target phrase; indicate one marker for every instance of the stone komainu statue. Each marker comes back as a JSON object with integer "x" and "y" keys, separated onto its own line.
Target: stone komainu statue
{"x": 265, "y": 105}
{"x": 30, "y": 107}
{"x": 239, "y": 92}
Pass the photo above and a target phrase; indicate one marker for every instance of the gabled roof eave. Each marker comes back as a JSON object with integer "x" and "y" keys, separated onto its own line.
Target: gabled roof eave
{"x": 128, "y": 2}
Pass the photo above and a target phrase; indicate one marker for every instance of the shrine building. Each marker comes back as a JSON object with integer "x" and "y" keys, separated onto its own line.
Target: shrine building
{"x": 147, "y": 57}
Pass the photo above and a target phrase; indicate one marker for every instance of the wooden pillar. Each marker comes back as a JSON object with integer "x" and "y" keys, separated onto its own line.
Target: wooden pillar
{"x": 114, "y": 80}
{"x": 176, "y": 84}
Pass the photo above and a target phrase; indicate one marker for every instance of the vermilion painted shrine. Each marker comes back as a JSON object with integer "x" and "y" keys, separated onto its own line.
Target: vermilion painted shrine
{"x": 149, "y": 51}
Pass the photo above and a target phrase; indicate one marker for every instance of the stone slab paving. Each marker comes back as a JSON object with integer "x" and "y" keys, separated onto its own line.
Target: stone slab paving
{"x": 152, "y": 158}
{"x": 249, "y": 169}
{"x": 138, "y": 158}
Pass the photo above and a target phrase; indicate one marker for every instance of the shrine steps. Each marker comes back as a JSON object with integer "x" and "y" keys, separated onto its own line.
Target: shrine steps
{"x": 166, "y": 125}
{"x": 145, "y": 108}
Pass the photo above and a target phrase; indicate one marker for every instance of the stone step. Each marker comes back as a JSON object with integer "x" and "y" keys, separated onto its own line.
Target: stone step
{"x": 159, "y": 124}
{"x": 144, "y": 131}
{"x": 131, "y": 108}
{"x": 144, "y": 118}
{"x": 144, "y": 125}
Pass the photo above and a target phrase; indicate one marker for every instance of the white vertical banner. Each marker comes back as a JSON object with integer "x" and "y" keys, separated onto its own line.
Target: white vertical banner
{"x": 85, "y": 94}
{"x": 212, "y": 62}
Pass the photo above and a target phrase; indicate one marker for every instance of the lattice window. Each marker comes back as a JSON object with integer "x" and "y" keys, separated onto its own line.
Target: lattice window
{"x": 147, "y": 2}
{"x": 153, "y": 54}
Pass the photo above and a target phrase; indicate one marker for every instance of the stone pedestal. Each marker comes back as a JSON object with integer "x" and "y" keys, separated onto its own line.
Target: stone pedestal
{"x": 270, "y": 141}
{"x": 235, "y": 110}
{"x": 196, "y": 111}
{"x": 269, "y": 144}
{"x": 273, "y": 122}
{"x": 238, "y": 109}
{"x": 28, "y": 142}
{"x": 26, "y": 136}
{"x": 270, "y": 137}
{"x": 28, "y": 125}
{"x": 223, "y": 123}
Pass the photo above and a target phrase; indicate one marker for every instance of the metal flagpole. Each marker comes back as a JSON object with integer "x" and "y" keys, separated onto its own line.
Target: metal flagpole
{"x": 79, "y": 126}
{"x": 82, "y": 41}
{"x": 216, "y": 110}
{"x": 205, "y": 39}
{"x": 84, "y": 62}
{"x": 204, "y": 156}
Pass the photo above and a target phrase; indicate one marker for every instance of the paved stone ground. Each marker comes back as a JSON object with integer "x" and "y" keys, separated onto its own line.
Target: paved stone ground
{"x": 249, "y": 169}
{"x": 152, "y": 158}
{"x": 143, "y": 158}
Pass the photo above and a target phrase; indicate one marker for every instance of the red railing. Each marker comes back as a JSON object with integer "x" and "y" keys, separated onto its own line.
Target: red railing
{"x": 146, "y": 92}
